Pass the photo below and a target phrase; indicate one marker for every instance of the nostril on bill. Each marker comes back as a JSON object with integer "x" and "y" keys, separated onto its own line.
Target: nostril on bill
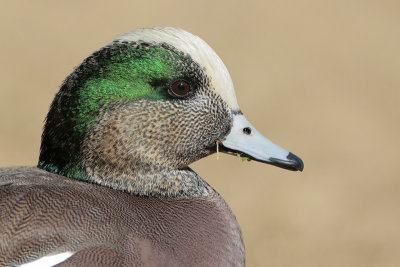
{"x": 247, "y": 130}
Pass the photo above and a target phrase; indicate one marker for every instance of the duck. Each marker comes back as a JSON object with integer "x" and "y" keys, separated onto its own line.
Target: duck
{"x": 113, "y": 186}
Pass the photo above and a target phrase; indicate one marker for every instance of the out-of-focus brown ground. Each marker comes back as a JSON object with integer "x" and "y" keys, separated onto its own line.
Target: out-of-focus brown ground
{"x": 320, "y": 78}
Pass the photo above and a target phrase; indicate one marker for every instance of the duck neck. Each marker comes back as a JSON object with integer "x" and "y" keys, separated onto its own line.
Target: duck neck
{"x": 157, "y": 181}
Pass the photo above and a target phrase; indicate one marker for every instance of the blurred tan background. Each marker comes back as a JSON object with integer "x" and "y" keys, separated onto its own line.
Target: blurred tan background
{"x": 320, "y": 78}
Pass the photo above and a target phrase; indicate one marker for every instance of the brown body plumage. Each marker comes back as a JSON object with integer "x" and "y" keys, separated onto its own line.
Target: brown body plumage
{"x": 52, "y": 213}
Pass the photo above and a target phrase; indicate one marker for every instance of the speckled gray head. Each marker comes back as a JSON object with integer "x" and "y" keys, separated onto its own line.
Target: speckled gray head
{"x": 144, "y": 107}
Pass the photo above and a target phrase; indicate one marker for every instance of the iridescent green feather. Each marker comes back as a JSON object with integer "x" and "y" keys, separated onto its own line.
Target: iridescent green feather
{"x": 127, "y": 76}
{"x": 117, "y": 74}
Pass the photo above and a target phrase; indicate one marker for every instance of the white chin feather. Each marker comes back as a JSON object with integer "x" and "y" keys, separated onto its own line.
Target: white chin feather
{"x": 198, "y": 50}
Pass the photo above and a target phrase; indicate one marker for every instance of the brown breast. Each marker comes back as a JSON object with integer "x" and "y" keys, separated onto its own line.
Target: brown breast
{"x": 45, "y": 213}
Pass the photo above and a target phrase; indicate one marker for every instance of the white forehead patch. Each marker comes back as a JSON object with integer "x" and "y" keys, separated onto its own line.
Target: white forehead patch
{"x": 197, "y": 49}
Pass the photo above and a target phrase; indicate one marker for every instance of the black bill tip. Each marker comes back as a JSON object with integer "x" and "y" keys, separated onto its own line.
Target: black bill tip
{"x": 293, "y": 162}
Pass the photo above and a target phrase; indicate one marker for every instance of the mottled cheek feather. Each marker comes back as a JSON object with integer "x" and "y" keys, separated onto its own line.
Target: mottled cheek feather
{"x": 120, "y": 73}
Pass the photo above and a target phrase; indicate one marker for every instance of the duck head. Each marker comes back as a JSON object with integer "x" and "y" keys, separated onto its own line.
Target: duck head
{"x": 153, "y": 98}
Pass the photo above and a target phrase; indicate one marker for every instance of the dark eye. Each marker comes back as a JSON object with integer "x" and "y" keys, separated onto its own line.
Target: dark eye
{"x": 180, "y": 88}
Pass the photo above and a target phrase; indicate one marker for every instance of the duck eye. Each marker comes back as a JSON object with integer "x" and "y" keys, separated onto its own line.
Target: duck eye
{"x": 180, "y": 88}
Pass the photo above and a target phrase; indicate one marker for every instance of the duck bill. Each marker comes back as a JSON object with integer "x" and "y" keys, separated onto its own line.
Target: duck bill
{"x": 245, "y": 141}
